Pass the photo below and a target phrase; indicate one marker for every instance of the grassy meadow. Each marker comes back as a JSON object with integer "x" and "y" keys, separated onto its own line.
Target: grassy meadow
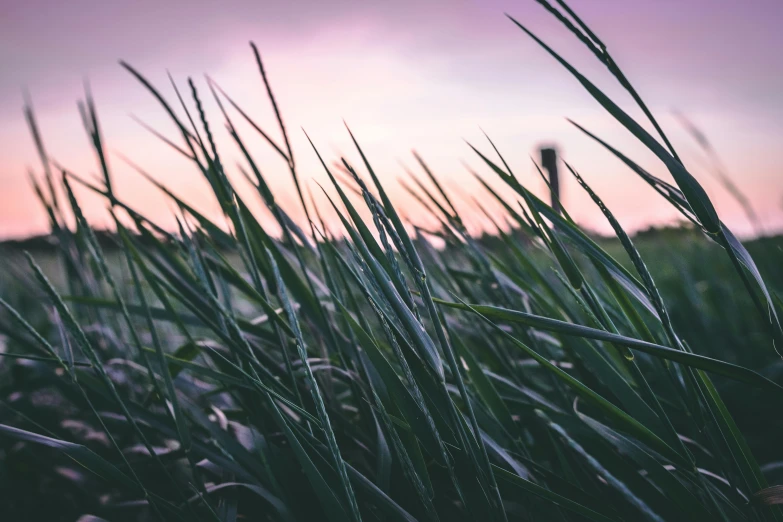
{"x": 382, "y": 372}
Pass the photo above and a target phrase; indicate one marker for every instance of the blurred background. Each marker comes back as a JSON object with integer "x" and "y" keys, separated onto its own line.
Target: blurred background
{"x": 423, "y": 75}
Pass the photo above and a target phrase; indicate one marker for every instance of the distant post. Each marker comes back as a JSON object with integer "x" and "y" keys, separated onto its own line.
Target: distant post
{"x": 549, "y": 162}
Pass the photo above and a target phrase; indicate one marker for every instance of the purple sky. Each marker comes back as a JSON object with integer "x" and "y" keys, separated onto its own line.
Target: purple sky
{"x": 404, "y": 74}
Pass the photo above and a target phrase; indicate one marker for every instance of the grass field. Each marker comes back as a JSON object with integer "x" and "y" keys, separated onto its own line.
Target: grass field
{"x": 383, "y": 372}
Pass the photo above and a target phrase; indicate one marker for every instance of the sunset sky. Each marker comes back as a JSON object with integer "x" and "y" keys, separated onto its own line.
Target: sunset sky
{"x": 405, "y": 74}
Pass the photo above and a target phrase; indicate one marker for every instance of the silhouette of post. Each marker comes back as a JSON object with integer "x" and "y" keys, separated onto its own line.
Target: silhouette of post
{"x": 549, "y": 162}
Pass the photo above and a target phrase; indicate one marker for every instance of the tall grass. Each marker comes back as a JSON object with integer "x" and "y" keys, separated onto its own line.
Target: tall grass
{"x": 222, "y": 373}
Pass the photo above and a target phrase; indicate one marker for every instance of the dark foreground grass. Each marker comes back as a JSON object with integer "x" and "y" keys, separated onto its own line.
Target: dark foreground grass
{"x": 221, "y": 373}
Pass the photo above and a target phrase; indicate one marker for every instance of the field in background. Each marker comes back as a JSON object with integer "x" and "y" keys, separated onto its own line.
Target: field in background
{"x": 674, "y": 256}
